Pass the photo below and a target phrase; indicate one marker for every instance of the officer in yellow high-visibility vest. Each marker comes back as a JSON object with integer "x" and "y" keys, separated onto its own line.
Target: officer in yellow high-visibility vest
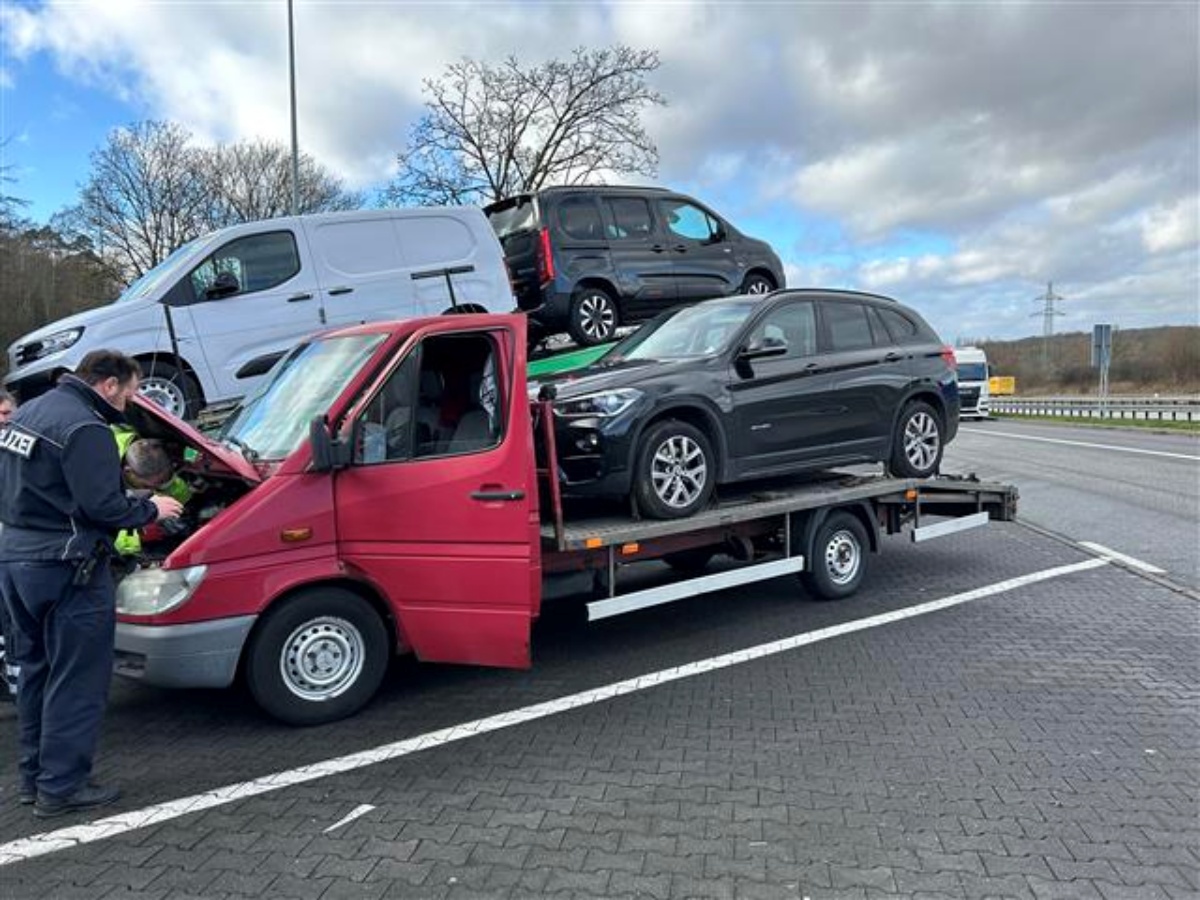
{"x": 146, "y": 466}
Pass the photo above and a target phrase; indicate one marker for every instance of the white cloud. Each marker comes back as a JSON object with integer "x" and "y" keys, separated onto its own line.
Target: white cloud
{"x": 1025, "y": 142}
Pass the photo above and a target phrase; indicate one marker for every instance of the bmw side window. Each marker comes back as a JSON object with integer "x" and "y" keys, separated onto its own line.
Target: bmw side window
{"x": 795, "y": 325}
{"x": 902, "y": 329}
{"x": 687, "y": 221}
{"x": 254, "y": 263}
{"x": 629, "y": 218}
{"x": 848, "y": 326}
{"x": 580, "y": 219}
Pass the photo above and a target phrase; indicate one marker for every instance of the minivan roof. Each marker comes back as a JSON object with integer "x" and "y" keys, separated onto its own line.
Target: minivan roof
{"x": 575, "y": 188}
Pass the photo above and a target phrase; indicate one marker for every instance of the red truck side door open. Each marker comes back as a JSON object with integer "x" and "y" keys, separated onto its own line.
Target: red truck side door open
{"x": 436, "y": 509}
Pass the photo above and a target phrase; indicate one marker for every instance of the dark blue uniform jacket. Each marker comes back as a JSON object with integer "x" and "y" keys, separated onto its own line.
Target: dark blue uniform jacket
{"x": 61, "y": 490}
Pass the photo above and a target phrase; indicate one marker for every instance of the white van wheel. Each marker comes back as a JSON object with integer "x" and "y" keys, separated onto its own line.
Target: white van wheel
{"x": 171, "y": 388}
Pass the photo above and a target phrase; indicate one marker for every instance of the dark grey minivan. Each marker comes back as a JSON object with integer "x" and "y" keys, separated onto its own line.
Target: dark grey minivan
{"x": 588, "y": 259}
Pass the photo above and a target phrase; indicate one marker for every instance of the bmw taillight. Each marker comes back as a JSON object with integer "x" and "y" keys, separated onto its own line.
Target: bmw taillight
{"x": 948, "y": 356}
{"x": 545, "y": 257}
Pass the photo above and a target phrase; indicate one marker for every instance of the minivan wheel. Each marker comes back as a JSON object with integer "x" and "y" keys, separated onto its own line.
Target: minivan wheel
{"x": 318, "y": 657}
{"x": 675, "y": 470}
{"x": 757, "y": 284}
{"x": 840, "y": 554}
{"x": 918, "y": 443}
{"x": 171, "y": 388}
{"x": 594, "y": 317}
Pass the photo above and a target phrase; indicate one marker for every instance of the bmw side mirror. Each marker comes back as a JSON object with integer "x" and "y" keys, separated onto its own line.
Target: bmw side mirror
{"x": 771, "y": 346}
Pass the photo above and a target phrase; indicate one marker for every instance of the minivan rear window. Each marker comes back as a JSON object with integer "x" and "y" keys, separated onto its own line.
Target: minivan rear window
{"x": 510, "y": 216}
{"x": 580, "y": 219}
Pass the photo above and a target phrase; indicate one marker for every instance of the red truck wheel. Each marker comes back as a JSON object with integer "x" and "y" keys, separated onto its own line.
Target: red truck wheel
{"x": 318, "y": 657}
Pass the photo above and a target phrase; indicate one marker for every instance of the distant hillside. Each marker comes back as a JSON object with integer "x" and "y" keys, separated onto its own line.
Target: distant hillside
{"x": 1162, "y": 360}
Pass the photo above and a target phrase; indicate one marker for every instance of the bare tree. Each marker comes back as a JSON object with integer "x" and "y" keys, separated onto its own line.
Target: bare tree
{"x": 150, "y": 190}
{"x": 253, "y": 180}
{"x": 145, "y": 196}
{"x": 490, "y": 132}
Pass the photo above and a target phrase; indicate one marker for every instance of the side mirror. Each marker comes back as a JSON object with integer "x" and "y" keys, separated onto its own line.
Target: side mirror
{"x": 718, "y": 236}
{"x": 225, "y": 284}
{"x": 328, "y": 454}
{"x": 770, "y": 346}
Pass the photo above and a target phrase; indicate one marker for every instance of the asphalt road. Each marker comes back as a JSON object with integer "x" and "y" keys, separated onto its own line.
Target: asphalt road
{"x": 995, "y": 714}
{"x": 1133, "y": 491}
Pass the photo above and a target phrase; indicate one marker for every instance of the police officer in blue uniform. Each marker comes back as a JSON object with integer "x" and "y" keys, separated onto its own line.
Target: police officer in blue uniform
{"x": 61, "y": 504}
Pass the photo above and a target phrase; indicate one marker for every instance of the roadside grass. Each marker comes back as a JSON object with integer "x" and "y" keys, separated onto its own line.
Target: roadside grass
{"x": 1108, "y": 422}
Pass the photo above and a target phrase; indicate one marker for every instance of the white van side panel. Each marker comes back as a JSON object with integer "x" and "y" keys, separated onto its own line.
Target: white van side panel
{"x": 374, "y": 267}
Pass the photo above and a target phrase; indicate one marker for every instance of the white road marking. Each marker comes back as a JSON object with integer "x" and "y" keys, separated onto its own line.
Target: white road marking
{"x": 122, "y": 823}
{"x": 1046, "y": 440}
{"x": 1110, "y": 554}
{"x": 350, "y": 817}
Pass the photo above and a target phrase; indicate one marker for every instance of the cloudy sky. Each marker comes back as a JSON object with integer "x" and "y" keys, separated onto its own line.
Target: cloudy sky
{"x": 958, "y": 156}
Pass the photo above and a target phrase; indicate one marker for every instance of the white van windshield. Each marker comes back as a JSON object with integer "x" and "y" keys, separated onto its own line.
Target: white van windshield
{"x": 273, "y": 421}
{"x": 162, "y": 276}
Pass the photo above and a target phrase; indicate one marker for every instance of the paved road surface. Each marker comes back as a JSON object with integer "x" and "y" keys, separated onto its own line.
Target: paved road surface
{"x": 1035, "y": 733}
{"x": 1135, "y": 492}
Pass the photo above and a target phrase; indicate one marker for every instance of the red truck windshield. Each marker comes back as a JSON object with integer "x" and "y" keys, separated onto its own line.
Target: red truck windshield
{"x": 272, "y": 422}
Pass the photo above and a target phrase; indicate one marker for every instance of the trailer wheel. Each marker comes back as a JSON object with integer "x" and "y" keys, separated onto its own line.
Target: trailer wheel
{"x": 840, "y": 557}
{"x": 318, "y": 657}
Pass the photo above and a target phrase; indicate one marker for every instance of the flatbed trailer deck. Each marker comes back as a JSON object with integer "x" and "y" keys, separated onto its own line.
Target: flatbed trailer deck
{"x": 803, "y": 525}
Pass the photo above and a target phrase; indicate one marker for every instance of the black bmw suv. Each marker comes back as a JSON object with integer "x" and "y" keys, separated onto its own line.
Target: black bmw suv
{"x": 756, "y": 386}
{"x": 588, "y": 259}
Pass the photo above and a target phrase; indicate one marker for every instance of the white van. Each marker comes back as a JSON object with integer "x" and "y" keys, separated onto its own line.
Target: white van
{"x": 972, "y": 382}
{"x": 212, "y": 318}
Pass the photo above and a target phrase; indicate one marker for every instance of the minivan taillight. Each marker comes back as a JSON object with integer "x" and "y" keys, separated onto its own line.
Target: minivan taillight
{"x": 545, "y": 257}
{"x": 948, "y": 356}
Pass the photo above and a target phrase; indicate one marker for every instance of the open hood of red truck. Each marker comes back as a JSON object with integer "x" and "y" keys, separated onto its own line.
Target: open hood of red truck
{"x": 152, "y": 421}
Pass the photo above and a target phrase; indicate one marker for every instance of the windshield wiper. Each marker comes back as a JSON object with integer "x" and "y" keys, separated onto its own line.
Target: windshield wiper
{"x": 248, "y": 452}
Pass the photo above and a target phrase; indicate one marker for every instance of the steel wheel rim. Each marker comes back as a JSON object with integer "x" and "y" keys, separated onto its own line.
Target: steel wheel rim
{"x": 322, "y": 658}
{"x": 758, "y": 286}
{"x": 597, "y": 318}
{"x": 165, "y": 393}
{"x": 921, "y": 441}
{"x": 678, "y": 471}
{"x": 843, "y": 556}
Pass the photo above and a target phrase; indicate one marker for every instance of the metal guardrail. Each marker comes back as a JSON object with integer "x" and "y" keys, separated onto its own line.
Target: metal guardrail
{"x": 1162, "y": 409}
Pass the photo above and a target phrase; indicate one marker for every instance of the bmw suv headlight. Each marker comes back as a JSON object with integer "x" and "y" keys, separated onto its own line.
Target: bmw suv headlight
{"x": 150, "y": 592}
{"x": 50, "y": 344}
{"x": 604, "y": 405}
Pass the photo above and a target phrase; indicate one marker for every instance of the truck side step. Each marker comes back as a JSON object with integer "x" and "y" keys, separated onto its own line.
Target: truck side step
{"x": 681, "y": 590}
{"x": 940, "y": 529}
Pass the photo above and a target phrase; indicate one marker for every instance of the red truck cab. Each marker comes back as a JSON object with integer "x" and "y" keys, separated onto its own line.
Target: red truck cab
{"x": 377, "y": 496}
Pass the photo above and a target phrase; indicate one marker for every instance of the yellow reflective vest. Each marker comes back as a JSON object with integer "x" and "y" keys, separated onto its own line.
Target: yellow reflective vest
{"x": 129, "y": 542}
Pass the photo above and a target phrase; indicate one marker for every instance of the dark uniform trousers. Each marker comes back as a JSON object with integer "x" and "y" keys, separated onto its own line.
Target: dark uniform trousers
{"x": 66, "y": 629}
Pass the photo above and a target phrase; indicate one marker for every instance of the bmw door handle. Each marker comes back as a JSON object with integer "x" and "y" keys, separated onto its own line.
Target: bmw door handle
{"x": 295, "y": 298}
{"x": 680, "y": 248}
{"x": 497, "y": 496}
{"x": 893, "y": 357}
{"x": 658, "y": 248}
{"x": 338, "y": 291}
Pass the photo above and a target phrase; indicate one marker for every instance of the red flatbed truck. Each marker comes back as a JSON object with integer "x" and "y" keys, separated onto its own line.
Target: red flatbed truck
{"x": 335, "y": 531}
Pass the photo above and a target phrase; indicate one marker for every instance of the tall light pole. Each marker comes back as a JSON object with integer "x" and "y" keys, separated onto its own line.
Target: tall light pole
{"x": 295, "y": 140}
